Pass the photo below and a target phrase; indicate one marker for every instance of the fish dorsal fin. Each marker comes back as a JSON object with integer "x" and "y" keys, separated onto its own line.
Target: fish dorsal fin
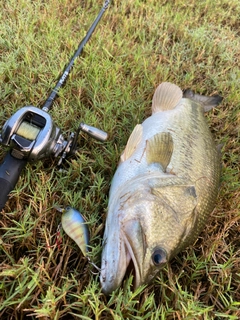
{"x": 166, "y": 97}
{"x": 159, "y": 149}
{"x": 133, "y": 141}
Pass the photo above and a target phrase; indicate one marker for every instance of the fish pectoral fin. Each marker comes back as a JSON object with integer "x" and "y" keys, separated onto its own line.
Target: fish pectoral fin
{"x": 159, "y": 149}
{"x": 133, "y": 142}
{"x": 207, "y": 102}
{"x": 166, "y": 97}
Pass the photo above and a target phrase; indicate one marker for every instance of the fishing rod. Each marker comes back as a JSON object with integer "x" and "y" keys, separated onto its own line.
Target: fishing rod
{"x": 31, "y": 134}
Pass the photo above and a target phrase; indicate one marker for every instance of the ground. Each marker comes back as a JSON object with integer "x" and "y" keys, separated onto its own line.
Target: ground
{"x": 136, "y": 45}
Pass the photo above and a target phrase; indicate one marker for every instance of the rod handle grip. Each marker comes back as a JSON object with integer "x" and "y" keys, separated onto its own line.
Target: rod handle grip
{"x": 10, "y": 170}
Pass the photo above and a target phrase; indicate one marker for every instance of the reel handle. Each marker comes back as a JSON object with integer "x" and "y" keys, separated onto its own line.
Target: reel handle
{"x": 10, "y": 170}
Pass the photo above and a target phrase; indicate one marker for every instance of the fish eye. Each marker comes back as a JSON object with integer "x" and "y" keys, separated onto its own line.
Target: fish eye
{"x": 159, "y": 257}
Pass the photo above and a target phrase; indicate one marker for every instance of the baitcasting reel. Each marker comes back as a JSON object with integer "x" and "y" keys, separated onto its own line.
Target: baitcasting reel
{"x": 32, "y": 135}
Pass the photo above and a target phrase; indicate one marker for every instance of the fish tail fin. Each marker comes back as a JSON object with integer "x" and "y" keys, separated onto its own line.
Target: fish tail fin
{"x": 166, "y": 97}
{"x": 207, "y": 102}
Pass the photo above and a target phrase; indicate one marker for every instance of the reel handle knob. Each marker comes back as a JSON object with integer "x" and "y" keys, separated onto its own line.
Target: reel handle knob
{"x": 10, "y": 171}
{"x": 94, "y": 132}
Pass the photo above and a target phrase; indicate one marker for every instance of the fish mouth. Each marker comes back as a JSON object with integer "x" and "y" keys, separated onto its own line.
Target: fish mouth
{"x": 133, "y": 265}
{"x": 121, "y": 257}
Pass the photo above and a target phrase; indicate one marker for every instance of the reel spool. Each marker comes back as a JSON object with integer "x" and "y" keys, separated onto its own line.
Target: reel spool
{"x": 28, "y": 131}
{"x": 31, "y": 133}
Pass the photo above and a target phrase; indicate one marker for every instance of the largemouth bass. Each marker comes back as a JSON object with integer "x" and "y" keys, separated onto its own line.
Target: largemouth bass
{"x": 164, "y": 188}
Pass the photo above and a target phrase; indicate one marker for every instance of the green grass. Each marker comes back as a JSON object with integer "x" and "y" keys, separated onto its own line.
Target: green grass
{"x": 137, "y": 45}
